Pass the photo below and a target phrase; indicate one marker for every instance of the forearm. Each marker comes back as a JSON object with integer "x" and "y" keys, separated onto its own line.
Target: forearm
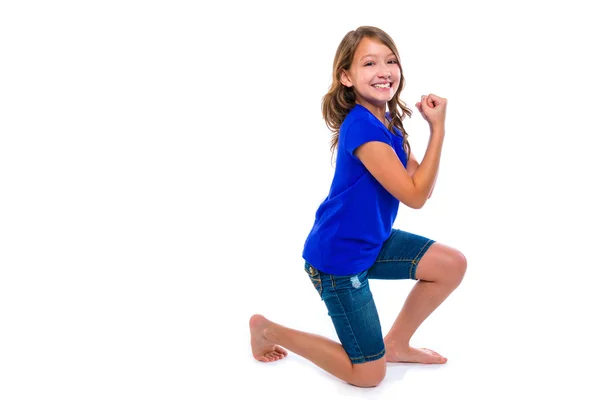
{"x": 426, "y": 174}
{"x": 411, "y": 172}
{"x": 434, "y": 181}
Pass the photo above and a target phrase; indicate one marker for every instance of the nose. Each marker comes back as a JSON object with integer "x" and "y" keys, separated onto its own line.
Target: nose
{"x": 385, "y": 72}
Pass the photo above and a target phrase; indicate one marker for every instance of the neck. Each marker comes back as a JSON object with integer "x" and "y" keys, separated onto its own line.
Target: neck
{"x": 377, "y": 111}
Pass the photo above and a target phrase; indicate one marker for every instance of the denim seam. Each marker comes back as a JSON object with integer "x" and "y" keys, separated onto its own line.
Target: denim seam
{"x": 368, "y": 357}
{"x": 413, "y": 268}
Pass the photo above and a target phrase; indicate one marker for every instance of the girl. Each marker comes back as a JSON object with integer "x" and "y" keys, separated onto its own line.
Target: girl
{"x": 352, "y": 239}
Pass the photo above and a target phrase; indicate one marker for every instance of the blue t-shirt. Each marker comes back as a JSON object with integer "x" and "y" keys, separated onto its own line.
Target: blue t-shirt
{"x": 355, "y": 219}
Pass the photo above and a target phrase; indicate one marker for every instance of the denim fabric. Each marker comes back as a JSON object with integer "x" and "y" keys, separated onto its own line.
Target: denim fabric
{"x": 349, "y": 300}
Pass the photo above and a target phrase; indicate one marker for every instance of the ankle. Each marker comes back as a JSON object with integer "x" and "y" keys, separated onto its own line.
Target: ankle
{"x": 396, "y": 343}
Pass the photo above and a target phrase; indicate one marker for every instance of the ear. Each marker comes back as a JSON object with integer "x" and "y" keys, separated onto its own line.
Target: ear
{"x": 345, "y": 79}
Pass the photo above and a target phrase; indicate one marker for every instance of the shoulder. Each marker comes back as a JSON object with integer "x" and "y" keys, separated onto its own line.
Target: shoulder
{"x": 360, "y": 128}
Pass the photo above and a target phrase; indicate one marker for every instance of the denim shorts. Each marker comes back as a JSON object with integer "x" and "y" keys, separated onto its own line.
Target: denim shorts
{"x": 349, "y": 300}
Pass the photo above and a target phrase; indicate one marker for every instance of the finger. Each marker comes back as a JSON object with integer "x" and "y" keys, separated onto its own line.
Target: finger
{"x": 437, "y": 99}
{"x": 430, "y": 102}
{"x": 424, "y": 102}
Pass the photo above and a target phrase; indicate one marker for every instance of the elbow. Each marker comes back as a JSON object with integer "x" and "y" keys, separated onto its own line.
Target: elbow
{"x": 420, "y": 204}
{"x": 415, "y": 204}
{"x": 419, "y": 201}
{"x": 414, "y": 198}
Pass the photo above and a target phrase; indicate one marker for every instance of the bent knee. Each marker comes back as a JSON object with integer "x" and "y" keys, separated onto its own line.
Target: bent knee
{"x": 369, "y": 374}
{"x": 459, "y": 266}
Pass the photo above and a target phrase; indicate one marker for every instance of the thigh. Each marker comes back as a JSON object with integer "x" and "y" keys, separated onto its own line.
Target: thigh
{"x": 352, "y": 309}
{"x": 400, "y": 255}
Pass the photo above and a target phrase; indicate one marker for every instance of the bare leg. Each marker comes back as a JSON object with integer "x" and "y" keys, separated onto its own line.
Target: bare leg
{"x": 267, "y": 337}
{"x": 439, "y": 272}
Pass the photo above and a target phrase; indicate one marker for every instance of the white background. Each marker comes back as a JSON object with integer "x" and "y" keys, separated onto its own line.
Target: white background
{"x": 161, "y": 164}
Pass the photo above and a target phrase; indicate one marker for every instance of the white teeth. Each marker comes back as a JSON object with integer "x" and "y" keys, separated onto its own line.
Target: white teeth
{"x": 381, "y": 86}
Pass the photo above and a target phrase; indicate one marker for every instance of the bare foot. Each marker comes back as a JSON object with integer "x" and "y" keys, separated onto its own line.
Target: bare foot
{"x": 262, "y": 348}
{"x": 412, "y": 355}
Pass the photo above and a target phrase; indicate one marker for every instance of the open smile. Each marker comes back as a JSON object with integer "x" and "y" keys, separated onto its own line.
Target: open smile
{"x": 382, "y": 86}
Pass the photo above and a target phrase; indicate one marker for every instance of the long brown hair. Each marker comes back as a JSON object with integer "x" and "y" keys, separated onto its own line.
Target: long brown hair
{"x": 340, "y": 99}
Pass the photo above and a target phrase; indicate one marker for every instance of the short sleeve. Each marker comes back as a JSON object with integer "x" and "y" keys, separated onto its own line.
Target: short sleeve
{"x": 362, "y": 131}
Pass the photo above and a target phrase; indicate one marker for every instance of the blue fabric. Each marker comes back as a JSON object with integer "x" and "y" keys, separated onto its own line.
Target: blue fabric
{"x": 356, "y": 217}
{"x": 349, "y": 300}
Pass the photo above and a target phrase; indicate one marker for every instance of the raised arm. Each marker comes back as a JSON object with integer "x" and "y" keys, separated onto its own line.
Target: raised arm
{"x": 383, "y": 163}
{"x": 380, "y": 159}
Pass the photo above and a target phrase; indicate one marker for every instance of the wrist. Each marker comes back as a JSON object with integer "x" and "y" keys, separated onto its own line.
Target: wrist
{"x": 437, "y": 129}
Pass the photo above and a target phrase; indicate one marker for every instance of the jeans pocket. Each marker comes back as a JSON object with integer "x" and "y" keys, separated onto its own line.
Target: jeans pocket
{"x": 315, "y": 278}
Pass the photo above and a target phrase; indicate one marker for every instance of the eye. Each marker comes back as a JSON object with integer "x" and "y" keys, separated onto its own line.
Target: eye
{"x": 393, "y": 62}
{"x": 369, "y": 63}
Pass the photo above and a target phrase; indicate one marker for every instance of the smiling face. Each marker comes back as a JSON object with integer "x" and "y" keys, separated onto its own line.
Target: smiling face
{"x": 374, "y": 75}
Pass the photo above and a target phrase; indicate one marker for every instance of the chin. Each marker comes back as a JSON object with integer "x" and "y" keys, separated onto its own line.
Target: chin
{"x": 380, "y": 102}
{"x": 382, "y": 99}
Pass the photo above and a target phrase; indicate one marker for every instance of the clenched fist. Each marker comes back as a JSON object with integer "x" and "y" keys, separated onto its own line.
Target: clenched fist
{"x": 433, "y": 109}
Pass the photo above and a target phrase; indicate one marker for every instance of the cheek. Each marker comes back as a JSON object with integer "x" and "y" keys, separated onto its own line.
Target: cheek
{"x": 396, "y": 79}
{"x": 366, "y": 79}
{"x": 366, "y": 76}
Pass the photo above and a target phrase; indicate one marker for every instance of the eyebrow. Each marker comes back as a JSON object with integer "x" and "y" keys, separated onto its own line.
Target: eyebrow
{"x": 373, "y": 55}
